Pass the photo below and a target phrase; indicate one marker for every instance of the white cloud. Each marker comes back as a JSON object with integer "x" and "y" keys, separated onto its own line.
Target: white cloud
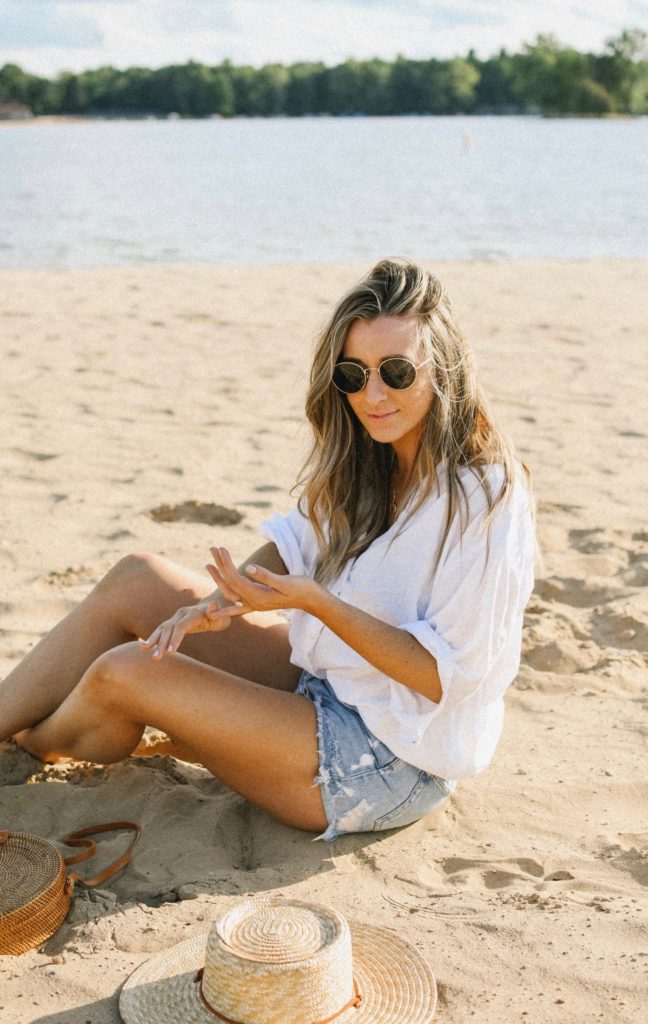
{"x": 39, "y": 25}
{"x": 46, "y": 36}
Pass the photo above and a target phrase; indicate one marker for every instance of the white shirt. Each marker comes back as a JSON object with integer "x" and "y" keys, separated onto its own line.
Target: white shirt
{"x": 468, "y": 615}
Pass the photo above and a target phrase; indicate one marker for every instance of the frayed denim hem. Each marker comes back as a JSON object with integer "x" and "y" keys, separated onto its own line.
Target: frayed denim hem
{"x": 364, "y": 786}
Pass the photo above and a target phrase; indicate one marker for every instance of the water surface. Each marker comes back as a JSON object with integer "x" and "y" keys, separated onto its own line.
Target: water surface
{"x": 108, "y": 193}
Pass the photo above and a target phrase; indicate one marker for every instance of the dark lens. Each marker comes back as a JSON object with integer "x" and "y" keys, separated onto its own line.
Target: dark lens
{"x": 349, "y": 378}
{"x": 398, "y": 373}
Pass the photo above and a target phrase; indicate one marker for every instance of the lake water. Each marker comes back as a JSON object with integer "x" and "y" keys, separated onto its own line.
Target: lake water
{"x": 246, "y": 191}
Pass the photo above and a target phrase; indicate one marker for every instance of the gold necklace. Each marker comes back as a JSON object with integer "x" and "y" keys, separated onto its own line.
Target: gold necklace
{"x": 393, "y": 505}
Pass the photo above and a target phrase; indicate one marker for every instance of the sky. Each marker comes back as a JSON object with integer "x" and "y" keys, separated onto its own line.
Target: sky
{"x": 49, "y": 36}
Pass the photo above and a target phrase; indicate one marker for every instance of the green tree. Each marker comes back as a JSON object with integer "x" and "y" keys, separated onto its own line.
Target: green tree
{"x": 462, "y": 81}
{"x": 593, "y": 98}
{"x": 73, "y": 95}
{"x": 222, "y": 90}
{"x": 496, "y": 88}
{"x": 305, "y": 89}
{"x": 44, "y": 96}
{"x": 171, "y": 86}
{"x": 270, "y": 88}
{"x": 243, "y": 85}
{"x": 571, "y": 70}
{"x": 534, "y": 78}
{"x": 623, "y": 71}
{"x": 341, "y": 88}
{"x": 411, "y": 87}
{"x": 14, "y": 84}
{"x": 373, "y": 86}
{"x": 545, "y": 76}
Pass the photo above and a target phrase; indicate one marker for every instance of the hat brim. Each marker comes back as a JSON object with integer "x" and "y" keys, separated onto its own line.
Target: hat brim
{"x": 396, "y": 983}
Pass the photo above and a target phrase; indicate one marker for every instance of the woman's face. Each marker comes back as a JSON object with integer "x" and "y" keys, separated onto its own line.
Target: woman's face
{"x": 390, "y": 416}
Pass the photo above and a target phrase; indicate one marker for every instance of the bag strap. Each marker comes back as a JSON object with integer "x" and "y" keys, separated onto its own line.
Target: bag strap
{"x": 80, "y": 839}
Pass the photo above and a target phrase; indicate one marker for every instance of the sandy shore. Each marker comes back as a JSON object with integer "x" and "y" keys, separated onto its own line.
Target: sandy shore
{"x": 125, "y": 390}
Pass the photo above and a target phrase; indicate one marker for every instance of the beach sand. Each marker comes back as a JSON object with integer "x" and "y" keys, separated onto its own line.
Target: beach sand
{"x": 129, "y": 389}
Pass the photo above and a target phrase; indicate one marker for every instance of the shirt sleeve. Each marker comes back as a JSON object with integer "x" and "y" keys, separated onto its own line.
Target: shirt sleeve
{"x": 473, "y": 623}
{"x": 294, "y": 538}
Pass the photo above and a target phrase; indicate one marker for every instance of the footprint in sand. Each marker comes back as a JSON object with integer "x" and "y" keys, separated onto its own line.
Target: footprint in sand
{"x": 572, "y": 591}
{"x": 462, "y": 887}
{"x": 196, "y": 512}
{"x": 37, "y": 456}
{"x": 590, "y": 542}
{"x": 620, "y": 630}
{"x": 631, "y": 857}
{"x": 562, "y": 656}
{"x": 68, "y": 577}
{"x": 547, "y": 507}
{"x": 575, "y": 621}
{"x": 484, "y": 874}
{"x": 434, "y": 895}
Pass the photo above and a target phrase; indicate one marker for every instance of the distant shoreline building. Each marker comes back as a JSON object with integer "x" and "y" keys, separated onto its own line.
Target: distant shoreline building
{"x": 15, "y": 112}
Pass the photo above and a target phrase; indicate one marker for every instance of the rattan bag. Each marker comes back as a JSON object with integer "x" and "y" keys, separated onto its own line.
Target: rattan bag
{"x": 36, "y": 888}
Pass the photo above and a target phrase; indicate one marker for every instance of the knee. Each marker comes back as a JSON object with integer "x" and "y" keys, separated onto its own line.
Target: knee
{"x": 106, "y": 680}
{"x": 129, "y": 570}
{"x": 128, "y": 588}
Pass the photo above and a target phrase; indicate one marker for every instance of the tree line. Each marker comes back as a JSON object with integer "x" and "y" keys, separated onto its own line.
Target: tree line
{"x": 545, "y": 77}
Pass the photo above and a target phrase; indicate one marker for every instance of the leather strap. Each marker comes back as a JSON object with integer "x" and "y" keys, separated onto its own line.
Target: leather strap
{"x": 80, "y": 839}
{"x": 355, "y": 1000}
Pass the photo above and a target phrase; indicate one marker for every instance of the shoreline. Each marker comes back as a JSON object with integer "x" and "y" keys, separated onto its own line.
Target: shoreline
{"x": 356, "y": 263}
{"x": 459, "y": 117}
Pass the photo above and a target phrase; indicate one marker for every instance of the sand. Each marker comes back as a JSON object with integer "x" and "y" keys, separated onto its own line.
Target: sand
{"x": 126, "y": 390}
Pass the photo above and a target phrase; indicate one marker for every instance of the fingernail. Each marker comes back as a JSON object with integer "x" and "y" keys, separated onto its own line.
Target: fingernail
{"x": 251, "y": 569}
{"x": 238, "y": 604}
{"x": 170, "y": 647}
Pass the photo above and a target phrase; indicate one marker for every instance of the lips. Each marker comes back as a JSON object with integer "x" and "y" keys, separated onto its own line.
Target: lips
{"x": 380, "y": 417}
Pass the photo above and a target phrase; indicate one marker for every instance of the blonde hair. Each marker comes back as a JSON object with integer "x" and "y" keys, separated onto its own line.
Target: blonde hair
{"x": 346, "y": 478}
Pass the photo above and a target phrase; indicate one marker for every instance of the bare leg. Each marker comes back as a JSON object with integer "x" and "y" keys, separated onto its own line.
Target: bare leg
{"x": 259, "y": 741}
{"x": 134, "y": 597}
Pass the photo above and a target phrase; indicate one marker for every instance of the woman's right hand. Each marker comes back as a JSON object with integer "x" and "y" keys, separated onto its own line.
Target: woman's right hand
{"x": 197, "y": 618}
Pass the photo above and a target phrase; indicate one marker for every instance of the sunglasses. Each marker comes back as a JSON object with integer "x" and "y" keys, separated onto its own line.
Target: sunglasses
{"x": 396, "y": 373}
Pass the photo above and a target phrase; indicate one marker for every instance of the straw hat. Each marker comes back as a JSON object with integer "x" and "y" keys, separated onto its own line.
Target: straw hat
{"x": 277, "y": 961}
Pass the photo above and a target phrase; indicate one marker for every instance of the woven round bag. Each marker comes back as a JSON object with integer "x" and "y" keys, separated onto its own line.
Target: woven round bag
{"x": 36, "y": 888}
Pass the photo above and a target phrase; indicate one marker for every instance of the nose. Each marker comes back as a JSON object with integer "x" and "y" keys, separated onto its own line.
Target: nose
{"x": 376, "y": 388}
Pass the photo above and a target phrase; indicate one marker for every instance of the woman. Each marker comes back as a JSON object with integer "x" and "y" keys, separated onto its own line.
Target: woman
{"x": 405, "y": 569}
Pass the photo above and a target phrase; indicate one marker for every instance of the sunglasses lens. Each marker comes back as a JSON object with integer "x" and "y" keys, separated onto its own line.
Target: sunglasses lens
{"x": 398, "y": 373}
{"x": 348, "y": 378}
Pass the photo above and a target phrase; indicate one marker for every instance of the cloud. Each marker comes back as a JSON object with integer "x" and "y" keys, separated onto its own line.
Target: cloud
{"x": 35, "y": 24}
{"x": 47, "y": 36}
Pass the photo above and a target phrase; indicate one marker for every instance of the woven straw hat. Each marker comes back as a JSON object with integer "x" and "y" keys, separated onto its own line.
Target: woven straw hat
{"x": 277, "y": 961}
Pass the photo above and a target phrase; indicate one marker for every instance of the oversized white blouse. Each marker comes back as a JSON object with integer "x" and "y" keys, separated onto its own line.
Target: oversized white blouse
{"x": 467, "y": 614}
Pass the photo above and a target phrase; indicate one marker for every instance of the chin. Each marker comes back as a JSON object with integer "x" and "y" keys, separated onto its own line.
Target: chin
{"x": 383, "y": 435}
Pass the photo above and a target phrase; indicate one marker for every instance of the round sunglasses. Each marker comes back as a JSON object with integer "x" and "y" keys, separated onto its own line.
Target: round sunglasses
{"x": 396, "y": 373}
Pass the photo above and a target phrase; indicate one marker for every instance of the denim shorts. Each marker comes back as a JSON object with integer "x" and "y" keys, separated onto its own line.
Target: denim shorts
{"x": 365, "y": 787}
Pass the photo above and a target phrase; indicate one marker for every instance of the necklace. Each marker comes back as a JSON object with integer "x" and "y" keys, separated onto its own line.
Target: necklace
{"x": 393, "y": 505}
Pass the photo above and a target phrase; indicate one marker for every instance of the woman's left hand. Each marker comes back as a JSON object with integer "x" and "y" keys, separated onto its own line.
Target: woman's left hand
{"x": 265, "y": 591}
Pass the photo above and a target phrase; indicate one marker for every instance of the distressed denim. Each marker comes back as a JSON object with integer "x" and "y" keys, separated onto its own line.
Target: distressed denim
{"x": 365, "y": 787}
